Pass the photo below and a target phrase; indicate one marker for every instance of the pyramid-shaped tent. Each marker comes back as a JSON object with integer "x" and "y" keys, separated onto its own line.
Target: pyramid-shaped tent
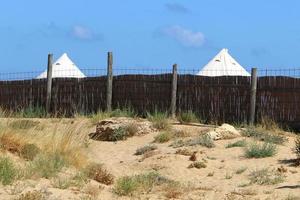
{"x": 223, "y": 65}
{"x": 63, "y": 68}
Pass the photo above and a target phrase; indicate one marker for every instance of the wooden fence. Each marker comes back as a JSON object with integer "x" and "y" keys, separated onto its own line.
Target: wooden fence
{"x": 219, "y": 99}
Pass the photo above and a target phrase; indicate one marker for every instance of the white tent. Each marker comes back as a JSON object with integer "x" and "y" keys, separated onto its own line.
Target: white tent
{"x": 63, "y": 68}
{"x": 223, "y": 65}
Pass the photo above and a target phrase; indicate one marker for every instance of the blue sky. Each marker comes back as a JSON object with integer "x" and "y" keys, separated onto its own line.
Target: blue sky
{"x": 156, "y": 33}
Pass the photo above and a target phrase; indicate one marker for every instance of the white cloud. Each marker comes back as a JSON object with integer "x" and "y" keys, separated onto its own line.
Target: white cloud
{"x": 175, "y": 7}
{"x": 84, "y": 33}
{"x": 186, "y": 37}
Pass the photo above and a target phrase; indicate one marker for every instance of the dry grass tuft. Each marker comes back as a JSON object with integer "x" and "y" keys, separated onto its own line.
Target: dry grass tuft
{"x": 32, "y": 195}
{"x": 184, "y": 152}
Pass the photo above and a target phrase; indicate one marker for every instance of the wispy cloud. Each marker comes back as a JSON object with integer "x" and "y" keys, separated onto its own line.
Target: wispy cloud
{"x": 84, "y": 33}
{"x": 185, "y": 36}
{"x": 176, "y": 7}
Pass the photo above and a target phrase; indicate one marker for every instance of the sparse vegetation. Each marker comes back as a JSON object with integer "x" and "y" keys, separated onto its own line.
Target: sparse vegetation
{"x": 46, "y": 165}
{"x": 240, "y": 143}
{"x": 101, "y": 115}
{"x": 184, "y": 152}
{"x": 265, "y": 176}
{"x": 159, "y": 120}
{"x": 145, "y": 149}
{"x": 128, "y": 185}
{"x": 256, "y": 150}
{"x": 8, "y": 171}
{"x": 31, "y": 195}
{"x": 187, "y": 117}
{"x": 97, "y": 172}
{"x": 23, "y": 124}
{"x": 264, "y": 135}
{"x": 203, "y": 140}
{"x": 32, "y": 112}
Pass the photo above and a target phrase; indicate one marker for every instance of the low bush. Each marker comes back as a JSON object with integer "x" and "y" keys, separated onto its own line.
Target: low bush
{"x": 159, "y": 120}
{"x": 131, "y": 129}
{"x": 97, "y": 172}
{"x": 163, "y": 137}
{"x": 265, "y": 176}
{"x": 264, "y": 150}
{"x": 184, "y": 152}
{"x": 240, "y": 143}
{"x": 187, "y": 117}
{"x": 145, "y": 149}
{"x": 29, "y": 151}
{"x": 8, "y": 171}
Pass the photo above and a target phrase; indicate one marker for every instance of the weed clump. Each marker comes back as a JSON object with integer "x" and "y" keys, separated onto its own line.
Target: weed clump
{"x": 264, "y": 150}
{"x": 29, "y": 151}
{"x": 97, "y": 172}
{"x": 163, "y": 137}
{"x": 197, "y": 165}
{"x": 159, "y": 120}
{"x": 145, "y": 149}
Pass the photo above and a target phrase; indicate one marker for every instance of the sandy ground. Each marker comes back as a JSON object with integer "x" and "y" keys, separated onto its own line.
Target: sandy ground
{"x": 119, "y": 159}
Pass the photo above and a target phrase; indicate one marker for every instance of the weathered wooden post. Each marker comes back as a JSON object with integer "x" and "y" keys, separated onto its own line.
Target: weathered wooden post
{"x": 109, "y": 81}
{"x": 253, "y": 95}
{"x": 49, "y": 83}
{"x": 174, "y": 91}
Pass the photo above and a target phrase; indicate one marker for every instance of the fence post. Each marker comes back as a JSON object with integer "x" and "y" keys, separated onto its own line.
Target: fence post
{"x": 253, "y": 95}
{"x": 174, "y": 91}
{"x": 49, "y": 83}
{"x": 109, "y": 81}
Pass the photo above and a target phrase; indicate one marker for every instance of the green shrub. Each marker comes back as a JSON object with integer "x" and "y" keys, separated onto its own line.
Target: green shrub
{"x": 163, "y": 137}
{"x": 187, "y": 117}
{"x": 32, "y": 112}
{"x": 128, "y": 185}
{"x": 265, "y": 177}
{"x": 29, "y": 151}
{"x": 256, "y": 150}
{"x": 124, "y": 112}
{"x": 119, "y": 134}
{"x": 240, "y": 143}
{"x": 203, "y": 140}
{"x": 23, "y": 124}
{"x": 47, "y": 165}
{"x": 97, "y": 172}
{"x": 97, "y": 117}
{"x": 8, "y": 171}
{"x": 145, "y": 149}
{"x": 159, "y": 120}
{"x": 265, "y": 136}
